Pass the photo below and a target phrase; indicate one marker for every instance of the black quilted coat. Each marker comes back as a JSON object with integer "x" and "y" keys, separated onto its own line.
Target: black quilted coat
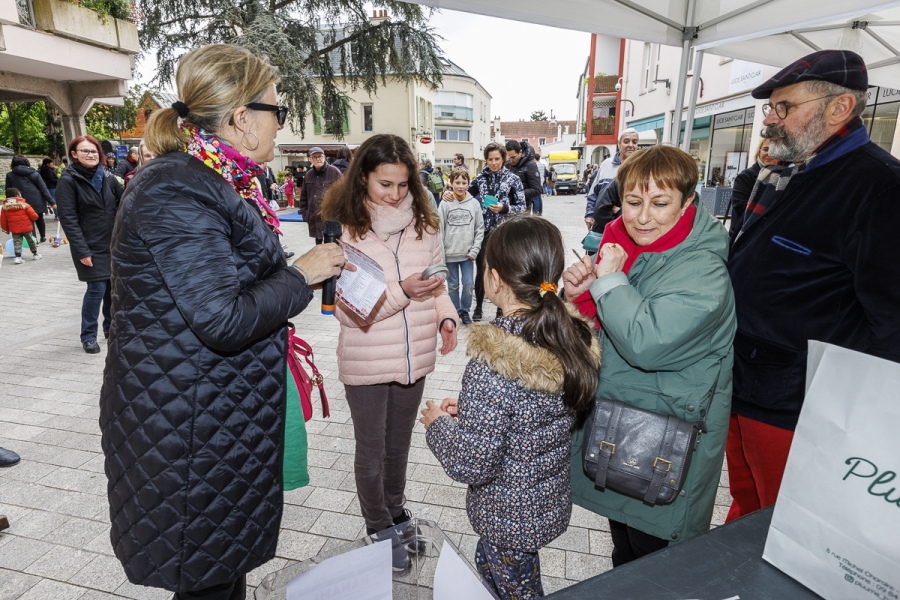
{"x": 193, "y": 399}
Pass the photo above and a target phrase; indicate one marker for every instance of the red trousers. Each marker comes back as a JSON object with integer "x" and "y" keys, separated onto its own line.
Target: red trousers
{"x": 756, "y": 454}
{"x": 290, "y": 199}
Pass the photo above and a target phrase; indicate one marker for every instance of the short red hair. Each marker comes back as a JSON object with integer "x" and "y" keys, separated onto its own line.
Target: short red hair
{"x": 88, "y": 138}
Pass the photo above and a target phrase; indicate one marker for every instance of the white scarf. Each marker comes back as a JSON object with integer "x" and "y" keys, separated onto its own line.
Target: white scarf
{"x": 388, "y": 221}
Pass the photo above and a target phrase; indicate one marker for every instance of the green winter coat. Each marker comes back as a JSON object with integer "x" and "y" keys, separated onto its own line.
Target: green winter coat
{"x": 668, "y": 328}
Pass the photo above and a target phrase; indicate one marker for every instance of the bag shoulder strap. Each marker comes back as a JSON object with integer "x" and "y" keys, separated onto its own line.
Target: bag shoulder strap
{"x": 298, "y": 346}
{"x": 607, "y": 447}
{"x": 662, "y": 464}
{"x": 712, "y": 394}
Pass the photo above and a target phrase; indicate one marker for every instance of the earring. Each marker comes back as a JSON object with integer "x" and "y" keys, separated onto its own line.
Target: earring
{"x": 244, "y": 144}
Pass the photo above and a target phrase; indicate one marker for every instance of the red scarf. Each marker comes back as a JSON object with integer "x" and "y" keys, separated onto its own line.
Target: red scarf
{"x": 615, "y": 233}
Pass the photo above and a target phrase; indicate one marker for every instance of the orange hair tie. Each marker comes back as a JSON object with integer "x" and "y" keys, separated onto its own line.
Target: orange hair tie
{"x": 548, "y": 287}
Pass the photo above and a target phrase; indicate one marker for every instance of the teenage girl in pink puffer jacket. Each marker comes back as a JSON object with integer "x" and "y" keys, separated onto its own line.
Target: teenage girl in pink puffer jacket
{"x": 383, "y": 360}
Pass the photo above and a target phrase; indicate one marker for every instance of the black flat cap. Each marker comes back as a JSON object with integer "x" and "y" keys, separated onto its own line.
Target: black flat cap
{"x": 842, "y": 67}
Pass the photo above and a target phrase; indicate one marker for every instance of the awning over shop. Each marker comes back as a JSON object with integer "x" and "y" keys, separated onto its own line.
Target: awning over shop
{"x": 657, "y": 122}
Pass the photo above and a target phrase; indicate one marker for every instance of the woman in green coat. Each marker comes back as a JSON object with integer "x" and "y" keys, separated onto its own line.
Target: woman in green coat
{"x": 662, "y": 296}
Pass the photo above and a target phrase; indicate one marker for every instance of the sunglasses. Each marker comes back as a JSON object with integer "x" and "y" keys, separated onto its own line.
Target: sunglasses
{"x": 281, "y": 112}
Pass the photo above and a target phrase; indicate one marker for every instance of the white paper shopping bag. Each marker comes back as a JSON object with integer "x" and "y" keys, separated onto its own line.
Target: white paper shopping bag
{"x": 836, "y": 526}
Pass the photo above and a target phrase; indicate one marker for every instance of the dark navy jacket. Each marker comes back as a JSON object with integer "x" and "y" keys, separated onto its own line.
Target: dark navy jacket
{"x": 193, "y": 399}
{"x": 820, "y": 265}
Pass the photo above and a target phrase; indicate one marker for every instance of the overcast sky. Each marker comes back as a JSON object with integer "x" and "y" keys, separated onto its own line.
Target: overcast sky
{"x": 524, "y": 67}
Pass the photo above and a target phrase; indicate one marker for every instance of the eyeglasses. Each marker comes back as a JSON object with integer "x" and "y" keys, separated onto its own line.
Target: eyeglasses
{"x": 88, "y": 152}
{"x": 782, "y": 108}
{"x": 281, "y": 112}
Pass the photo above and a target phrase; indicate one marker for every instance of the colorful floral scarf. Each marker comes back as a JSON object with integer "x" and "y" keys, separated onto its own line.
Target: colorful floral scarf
{"x": 234, "y": 167}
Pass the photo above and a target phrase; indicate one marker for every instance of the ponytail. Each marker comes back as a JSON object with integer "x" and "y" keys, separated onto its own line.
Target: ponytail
{"x": 568, "y": 337}
{"x": 162, "y": 133}
{"x": 528, "y": 255}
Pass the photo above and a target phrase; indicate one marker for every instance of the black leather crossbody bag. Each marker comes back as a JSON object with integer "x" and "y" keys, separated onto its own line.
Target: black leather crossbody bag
{"x": 638, "y": 452}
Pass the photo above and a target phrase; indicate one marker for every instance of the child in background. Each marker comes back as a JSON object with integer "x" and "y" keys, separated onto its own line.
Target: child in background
{"x": 462, "y": 231}
{"x": 530, "y": 373}
{"x": 289, "y": 190}
{"x": 16, "y": 218}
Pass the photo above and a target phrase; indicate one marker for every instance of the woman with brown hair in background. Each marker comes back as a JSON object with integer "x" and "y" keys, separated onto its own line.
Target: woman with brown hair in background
{"x": 383, "y": 359}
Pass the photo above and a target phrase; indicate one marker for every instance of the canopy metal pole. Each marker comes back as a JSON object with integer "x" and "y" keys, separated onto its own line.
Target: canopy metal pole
{"x": 689, "y": 33}
{"x": 679, "y": 92}
{"x": 692, "y": 101}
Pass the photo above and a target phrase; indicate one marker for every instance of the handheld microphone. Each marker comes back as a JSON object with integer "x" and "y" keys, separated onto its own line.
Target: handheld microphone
{"x": 331, "y": 234}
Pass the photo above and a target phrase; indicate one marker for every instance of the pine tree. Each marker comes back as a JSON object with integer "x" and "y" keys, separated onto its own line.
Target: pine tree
{"x": 538, "y": 115}
{"x": 322, "y": 48}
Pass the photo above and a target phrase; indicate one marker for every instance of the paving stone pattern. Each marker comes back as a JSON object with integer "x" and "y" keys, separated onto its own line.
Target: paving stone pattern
{"x": 58, "y": 544}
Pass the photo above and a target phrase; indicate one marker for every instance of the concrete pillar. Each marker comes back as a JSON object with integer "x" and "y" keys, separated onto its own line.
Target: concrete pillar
{"x": 72, "y": 127}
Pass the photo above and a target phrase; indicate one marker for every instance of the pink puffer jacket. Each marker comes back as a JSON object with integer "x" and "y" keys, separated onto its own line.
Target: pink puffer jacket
{"x": 398, "y": 342}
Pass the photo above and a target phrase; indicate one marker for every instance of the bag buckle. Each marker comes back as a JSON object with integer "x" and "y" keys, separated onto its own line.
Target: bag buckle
{"x": 605, "y": 444}
{"x": 318, "y": 379}
{"x": 659, "y": 460}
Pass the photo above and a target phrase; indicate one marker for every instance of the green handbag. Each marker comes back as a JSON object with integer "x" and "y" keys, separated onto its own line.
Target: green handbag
{"x": 591, "y": 242}
{"x": 294, "y": 470}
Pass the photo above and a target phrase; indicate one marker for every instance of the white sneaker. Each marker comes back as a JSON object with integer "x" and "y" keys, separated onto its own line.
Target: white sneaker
{"x": 18, "y": 260}
{"x": 38, "y": 257}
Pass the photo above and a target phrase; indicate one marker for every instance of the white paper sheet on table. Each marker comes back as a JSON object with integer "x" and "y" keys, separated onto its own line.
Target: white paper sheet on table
{"x": 361, "y": 289}
{"x": 362, "y": 574}
{"x": 453, "y": 580}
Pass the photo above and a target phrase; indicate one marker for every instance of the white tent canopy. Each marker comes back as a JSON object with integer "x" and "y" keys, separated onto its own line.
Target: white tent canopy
{"x": 773, "y": 32}
{"x": 875, "y": 36}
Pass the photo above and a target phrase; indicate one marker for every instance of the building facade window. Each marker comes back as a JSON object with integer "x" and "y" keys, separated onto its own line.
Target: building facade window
{"x": 453, "y": 105}
{"x": 368, "y": 115}
{"x": 645, "y": 75}
{"x": 329, "y": 127}
{"x": 453, "y": 135}
{"x": 729, "y": 149}
{"x": 542, "y": 141}
{"x": 881, "y": 121}
{"x": 656, "y": 63}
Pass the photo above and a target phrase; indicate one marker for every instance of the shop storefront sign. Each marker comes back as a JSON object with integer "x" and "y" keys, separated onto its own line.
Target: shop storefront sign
{"x": 877, "y": 95}
{"x": 722, "y": 106}
{"x": 744, "y": 76}
{"x": 888, "y": 95}
{"x": 734, "y": 118}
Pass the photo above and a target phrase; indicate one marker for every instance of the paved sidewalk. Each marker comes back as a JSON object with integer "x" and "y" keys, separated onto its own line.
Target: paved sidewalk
{"x": 57, "y": 547}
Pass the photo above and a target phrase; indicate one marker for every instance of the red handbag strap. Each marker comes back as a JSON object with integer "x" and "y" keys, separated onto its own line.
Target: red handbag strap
{"x": 299, "y": 346}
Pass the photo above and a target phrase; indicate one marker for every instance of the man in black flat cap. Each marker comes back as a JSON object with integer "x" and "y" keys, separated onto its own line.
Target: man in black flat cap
{"x": 812, "y": 259}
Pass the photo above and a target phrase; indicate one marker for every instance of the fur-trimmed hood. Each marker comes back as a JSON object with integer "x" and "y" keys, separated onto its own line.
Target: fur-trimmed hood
{"x": 17, "y": 204}
{"x": 511, "y": 357}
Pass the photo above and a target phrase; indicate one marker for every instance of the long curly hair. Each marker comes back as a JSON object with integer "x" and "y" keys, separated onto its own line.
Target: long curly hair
{"x": 345, "y": 201}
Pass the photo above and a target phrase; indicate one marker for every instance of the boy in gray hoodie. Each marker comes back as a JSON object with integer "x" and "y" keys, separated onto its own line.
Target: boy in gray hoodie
{"x": 462, "y": 231}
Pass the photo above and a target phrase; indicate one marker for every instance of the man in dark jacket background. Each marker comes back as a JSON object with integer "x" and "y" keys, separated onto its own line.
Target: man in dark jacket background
{"x": 596, "y": 208}
{"x": 129, "y": 164}
{"x": 812, "y": 259}
{"x": 48, "y": 174}
{"x": 315, "y": 183}
{"x": 33, "y": 189}
{"x": 521, "y": 163}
